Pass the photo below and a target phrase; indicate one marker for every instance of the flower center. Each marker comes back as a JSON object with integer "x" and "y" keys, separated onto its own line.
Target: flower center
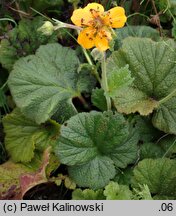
{"x": 98, "y": 22}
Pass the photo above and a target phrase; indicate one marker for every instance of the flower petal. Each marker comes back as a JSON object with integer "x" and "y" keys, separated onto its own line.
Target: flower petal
{"x": 101, "y": 42}
{"x": 86, "y": 38}
{"x": 95, "y": 6}
{"x": 115, "y": 17}
{"x": 80, "y": 17}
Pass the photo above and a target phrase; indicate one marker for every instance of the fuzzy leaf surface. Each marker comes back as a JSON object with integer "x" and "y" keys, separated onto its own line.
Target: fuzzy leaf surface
{"x": 40, "y": 82}
{"x": 152, "y": 65}
{"x": 158, "y": 174}
{"x": 118, "y": 79}
{"x": 98, "y": 99}
{"x": 89, "y": 139}
{"x": 87, "y": 135}
{"x": 94, "y": 174}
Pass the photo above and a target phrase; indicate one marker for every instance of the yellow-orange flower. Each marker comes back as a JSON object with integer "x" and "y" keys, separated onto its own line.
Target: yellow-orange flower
{"x": 97, "y": 25}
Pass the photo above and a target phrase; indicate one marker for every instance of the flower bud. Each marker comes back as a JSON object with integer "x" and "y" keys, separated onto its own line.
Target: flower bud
{"x": 47, "y": 28}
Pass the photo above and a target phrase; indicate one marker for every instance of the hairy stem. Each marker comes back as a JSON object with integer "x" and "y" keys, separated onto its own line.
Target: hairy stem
{"x": 83, "y": 101}
{"x": 167, "y": 97}
{"x": 104, "y": 82}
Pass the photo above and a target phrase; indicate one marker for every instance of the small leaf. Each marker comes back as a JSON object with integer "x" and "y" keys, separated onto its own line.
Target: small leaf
{"x": 131, "y": 100}
{"x": 158, "y": 174}
{"x": 114, "y": 191}
{"x": 40, "y": 83}
{"x": 95, "y": 174}
{"x": 98, "y": 99}
{"x": 23, "y": 136}
{"x": 87, "y": 194}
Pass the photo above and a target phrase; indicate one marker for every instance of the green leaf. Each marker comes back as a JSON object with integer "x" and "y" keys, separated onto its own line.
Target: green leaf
{"x": 137, "y": 31}
{"x": 152, "y": 65}
{"x": 142, "y": 193}
{"x": 95, "y": 174}
{"x": 87, "y": 194}
{"x": 114, "y": 191}
{"x": 65, "y": 111}
{"x": 89, "y": 139}
{"x": 165, "y": 116}
{"x": 98, "y": 99}
{"x": 23, "y": 136}
{"x": 131, "y": 100}
{"x": 123, "y": 177}
{"x": 158, "y": 174}
{"x": 87, "y": 135}
{"x": 151, "y": 150}
{"x": 118, "y": 79}
{"x": 168, "y": 144}
{"x": 41, "y": 82}
{"x": 146, "y": 130}
{"x": 22, "y": 41}
{"x": 126, "y": 151}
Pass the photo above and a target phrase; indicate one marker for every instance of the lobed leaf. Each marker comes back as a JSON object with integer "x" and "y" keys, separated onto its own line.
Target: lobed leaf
{"x": 94, "y": 174}
{"x": 40, "y": 83}
{"x": 152, "y": 65}
{"x": 114, "y": 191}
{"x": 93, "y": 141}
{"x": 158, "y": 174}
